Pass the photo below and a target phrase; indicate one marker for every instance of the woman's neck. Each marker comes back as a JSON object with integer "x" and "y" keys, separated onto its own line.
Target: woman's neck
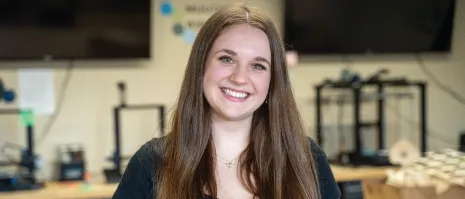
{"x": 230, "y": 137}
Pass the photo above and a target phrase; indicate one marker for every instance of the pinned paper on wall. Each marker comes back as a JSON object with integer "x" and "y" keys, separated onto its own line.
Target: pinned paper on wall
{"x": 36, "y": 90}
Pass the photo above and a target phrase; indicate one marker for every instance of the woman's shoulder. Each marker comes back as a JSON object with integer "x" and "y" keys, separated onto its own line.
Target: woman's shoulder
{"x": 146, "y": 159}
{"x": 328, "y": 185}
{"x": 155, "y": 146}
{"x": 139, "y": 176}
{"x": 315, "y": 147}
{"x": 150, "y": 154}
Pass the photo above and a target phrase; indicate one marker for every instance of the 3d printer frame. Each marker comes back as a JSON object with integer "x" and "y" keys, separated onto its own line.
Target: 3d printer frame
{"x": 357, "y": 90}
{"x": 113, "y": 175}
{"x": 22, "y": 181}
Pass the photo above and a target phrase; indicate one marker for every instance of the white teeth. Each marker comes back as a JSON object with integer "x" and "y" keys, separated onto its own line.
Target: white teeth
{"x": 234, "y": 93}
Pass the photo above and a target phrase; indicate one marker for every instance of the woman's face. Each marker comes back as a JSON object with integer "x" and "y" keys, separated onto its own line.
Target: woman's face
{"x": 238, "y": 72}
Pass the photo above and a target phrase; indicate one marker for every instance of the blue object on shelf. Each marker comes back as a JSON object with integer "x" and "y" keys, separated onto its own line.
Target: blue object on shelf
{"x": 9, "y": 96}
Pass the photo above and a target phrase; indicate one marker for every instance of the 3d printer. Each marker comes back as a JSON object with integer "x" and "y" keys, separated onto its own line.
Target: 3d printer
{"x": 24, "y": 177}
{"x": 114, "y": 174}
{"x": 356, "y": 86}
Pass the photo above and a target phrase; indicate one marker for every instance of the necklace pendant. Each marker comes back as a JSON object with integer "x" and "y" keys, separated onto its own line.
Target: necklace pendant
{"x": 229, "y": 165}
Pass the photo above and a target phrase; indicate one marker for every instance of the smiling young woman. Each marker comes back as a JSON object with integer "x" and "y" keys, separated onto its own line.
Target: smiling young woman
{"x": 236, "y": 131}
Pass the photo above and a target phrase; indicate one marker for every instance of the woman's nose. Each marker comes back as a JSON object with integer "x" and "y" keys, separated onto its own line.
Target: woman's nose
{"x": 239, "y": 75}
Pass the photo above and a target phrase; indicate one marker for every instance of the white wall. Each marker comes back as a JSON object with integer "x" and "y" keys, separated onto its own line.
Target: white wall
{"x": 86, "y": 113}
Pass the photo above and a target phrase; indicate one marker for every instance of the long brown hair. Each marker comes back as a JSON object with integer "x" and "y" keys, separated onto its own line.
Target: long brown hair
{"x": 277, "y": 163}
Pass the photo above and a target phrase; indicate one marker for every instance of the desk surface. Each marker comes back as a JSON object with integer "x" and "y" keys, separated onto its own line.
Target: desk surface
{"x": 99, "y": 191}
{"x": 344, "y": 174}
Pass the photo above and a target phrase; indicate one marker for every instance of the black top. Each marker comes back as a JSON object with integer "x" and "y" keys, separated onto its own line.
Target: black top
{"x": 137, "y": 181}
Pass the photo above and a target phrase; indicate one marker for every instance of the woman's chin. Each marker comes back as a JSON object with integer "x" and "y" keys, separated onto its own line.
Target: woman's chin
{"x": 234, "y": 115}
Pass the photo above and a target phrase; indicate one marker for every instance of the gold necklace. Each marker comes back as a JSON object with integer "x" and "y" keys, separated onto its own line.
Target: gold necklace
{"x": 228, "y": 163}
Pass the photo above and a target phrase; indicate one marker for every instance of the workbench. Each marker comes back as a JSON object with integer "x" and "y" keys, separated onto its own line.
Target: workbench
{"x": 101, "y": 190}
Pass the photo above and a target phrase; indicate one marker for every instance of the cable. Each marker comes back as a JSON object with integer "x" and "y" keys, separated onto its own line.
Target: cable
{"x": 64, "y": 87}
{"x": 443, "y": 87}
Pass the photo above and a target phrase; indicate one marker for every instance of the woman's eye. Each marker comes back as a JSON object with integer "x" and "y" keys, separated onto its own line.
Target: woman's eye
{"x": 259, "y": 67}
{"x": 226, "y": 59}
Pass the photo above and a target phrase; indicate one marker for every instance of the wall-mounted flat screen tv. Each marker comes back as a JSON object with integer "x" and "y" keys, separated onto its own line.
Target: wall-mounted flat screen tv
{"x": 368, "y": 26}
{"x": 75, "y": 29}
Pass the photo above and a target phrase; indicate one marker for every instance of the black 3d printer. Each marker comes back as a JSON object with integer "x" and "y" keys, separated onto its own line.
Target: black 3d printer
{"x": 353, "y": 83}
{"x": 114, "y": 174}
{"x": 24, "y": 178}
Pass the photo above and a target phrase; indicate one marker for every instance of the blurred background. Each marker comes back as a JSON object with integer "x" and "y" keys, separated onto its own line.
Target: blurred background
{"x": 77, "y": 73}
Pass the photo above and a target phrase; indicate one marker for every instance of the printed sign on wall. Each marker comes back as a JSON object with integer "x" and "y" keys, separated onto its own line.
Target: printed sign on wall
{"x": 188, "y": 18}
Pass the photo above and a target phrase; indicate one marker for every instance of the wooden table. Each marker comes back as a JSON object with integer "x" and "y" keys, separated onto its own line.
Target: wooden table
{"x": 65, "y": 191}
{"x": 99, "y": 191}
{"x": 345, "y": 174}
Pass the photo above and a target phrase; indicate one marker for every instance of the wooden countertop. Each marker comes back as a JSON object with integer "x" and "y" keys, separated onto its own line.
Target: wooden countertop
{"x": 65, "y": 191}
{"x": 344, "y": 174}
{"x": 99, "y": 191}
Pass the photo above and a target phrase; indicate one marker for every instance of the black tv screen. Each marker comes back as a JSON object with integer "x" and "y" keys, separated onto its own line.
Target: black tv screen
{"x": 75, "y": 29}
{"x": 368, "y": 26}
